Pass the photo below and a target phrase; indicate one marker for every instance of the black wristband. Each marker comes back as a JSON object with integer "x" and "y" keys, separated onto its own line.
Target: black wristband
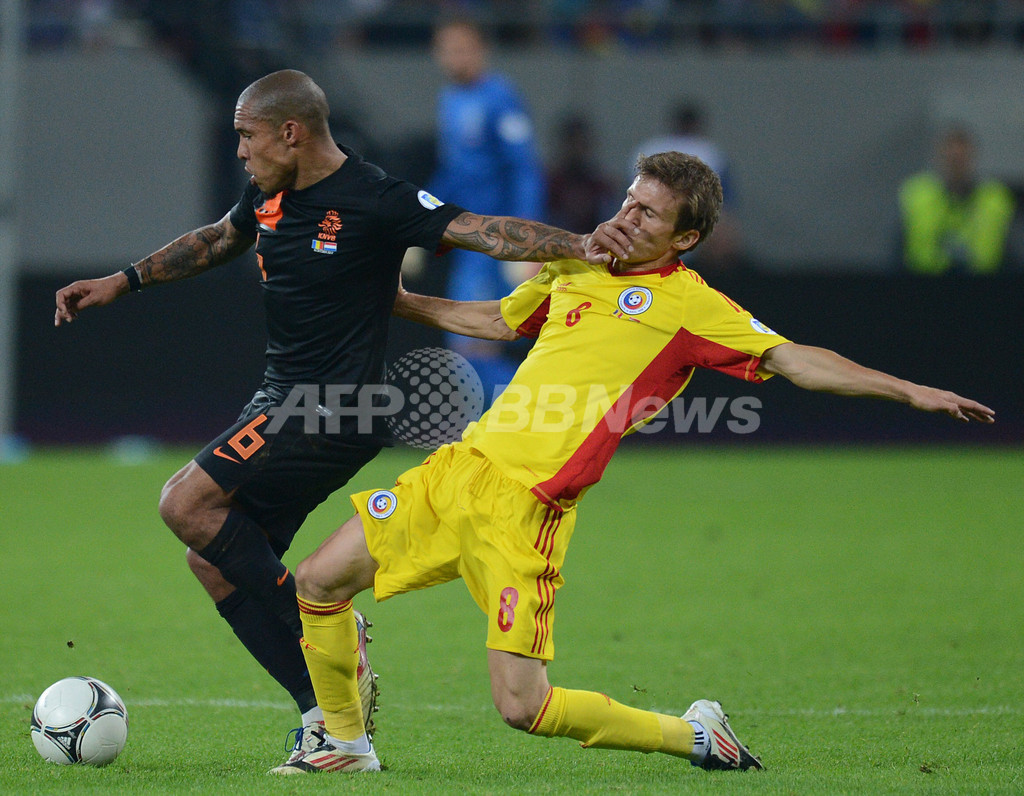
{"x": 134, "y": 283}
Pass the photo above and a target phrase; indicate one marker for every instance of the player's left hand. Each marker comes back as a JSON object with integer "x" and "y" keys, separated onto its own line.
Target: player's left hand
{"x": 929, "y": 399}
{"x": 87, "y": 293}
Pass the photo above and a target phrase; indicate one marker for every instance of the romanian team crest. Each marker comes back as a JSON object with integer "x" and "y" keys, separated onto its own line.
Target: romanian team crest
{"x": 635, "y": 300}
{"x": 382, "y": 504}
{"x": 428, "y": 201}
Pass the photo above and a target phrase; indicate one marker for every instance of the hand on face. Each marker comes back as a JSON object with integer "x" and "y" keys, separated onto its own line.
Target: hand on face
{"x": 613, "y": 239}
{"x": 649, "y": 216}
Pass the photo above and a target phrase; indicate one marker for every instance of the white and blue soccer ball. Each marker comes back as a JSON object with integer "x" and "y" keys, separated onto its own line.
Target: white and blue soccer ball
{"x": 79, "y": 720}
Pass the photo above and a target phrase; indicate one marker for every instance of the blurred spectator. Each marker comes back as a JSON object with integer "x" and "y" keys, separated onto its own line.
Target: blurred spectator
{"x": 51, "y": 23}
{"x": 579, "y": 196}
{"x": 487, "y": 160}
{"x": 687, "y": 134}
{"x": 256, "y": 25}
{"x": 588, "y": 24}
{"x": 952, "y": 220}
{"x": 96, "y": 20}
{"x": 58, "y": 23}
{"x": 641, "y": 22}
{"x": 323, "y": 24}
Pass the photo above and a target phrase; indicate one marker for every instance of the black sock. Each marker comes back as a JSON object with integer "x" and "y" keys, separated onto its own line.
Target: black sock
{"x": 247, "y": 561}
{"x": 271, "y": 643}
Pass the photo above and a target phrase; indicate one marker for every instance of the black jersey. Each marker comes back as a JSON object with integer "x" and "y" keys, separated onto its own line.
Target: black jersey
{"x": 329, "y": 257}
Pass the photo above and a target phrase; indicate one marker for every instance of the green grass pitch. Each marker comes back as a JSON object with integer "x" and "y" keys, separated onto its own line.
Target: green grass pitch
{"x": 858, "y": 611}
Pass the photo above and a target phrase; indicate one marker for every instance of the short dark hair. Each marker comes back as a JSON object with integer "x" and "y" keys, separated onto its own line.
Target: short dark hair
{"x": 288, "y": 94}
{"x": 693, "y": 181}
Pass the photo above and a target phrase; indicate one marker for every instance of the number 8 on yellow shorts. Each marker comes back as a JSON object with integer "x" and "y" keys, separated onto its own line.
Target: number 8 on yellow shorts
{"x": 456, "y": 515}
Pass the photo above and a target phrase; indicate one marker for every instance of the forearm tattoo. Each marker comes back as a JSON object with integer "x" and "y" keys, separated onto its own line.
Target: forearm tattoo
{"x": 191, "y": 254}
{"x": 507, "y": 238}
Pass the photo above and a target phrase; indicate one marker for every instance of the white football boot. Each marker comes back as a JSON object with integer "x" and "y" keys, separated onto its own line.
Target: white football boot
{"x": 319, "y": 754}
{"x": 726, "y": 751}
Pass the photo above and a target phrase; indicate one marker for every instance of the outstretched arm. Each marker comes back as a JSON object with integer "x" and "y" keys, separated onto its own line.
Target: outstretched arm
{"x": 191, "y": 254}
{"x": 821, "y": 369}
{"x": 508, "y": 238}
{"x": 481, "y": 319}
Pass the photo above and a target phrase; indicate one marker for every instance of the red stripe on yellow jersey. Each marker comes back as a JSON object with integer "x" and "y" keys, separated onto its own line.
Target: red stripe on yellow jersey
{"x": 611, "y": 351}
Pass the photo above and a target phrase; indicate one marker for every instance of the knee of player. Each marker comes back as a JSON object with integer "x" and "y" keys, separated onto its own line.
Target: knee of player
{"x": 303, "y": 579}
{"x": 309, "y": 583}
{"x": 515, "y": 711}
{"x": 173, "y": 508}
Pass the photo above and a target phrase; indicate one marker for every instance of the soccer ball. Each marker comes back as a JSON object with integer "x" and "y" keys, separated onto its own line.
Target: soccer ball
{"x": 79, "y": 720}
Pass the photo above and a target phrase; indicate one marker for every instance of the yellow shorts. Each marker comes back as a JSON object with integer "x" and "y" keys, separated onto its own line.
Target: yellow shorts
{"x": 456, "y": 515}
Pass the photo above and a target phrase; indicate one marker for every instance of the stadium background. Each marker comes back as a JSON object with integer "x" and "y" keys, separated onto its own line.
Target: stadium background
{"x": 117, "y": 138}
{"x": 853, "y": 606}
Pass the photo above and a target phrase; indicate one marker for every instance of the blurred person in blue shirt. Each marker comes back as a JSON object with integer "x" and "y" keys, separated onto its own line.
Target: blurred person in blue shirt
{"x": 487, "y": 160}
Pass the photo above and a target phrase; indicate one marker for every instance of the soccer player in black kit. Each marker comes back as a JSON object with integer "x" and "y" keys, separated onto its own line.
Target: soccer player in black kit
{"x": 330, "y": 232}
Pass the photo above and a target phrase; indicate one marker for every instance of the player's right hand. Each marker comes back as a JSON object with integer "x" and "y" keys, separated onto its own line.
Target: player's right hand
{"x": 612, "y": 239}
{"x": 87, "y": 293}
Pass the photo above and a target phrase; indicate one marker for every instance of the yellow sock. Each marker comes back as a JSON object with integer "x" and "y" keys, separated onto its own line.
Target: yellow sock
{"x": 330, "y": 644}
{"x": 597, "y": 721}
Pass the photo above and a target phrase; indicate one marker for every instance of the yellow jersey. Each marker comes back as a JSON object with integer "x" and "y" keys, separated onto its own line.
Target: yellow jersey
{"x": 612, "y": 351}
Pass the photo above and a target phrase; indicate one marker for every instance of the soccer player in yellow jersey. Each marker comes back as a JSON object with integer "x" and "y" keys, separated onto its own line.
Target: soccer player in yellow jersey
{"x": 615, "y": 343}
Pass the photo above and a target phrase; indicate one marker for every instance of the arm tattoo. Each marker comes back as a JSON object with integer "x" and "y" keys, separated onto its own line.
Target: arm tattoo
{"x": 507, "y": 238}
{"x": 193, "y": 253}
